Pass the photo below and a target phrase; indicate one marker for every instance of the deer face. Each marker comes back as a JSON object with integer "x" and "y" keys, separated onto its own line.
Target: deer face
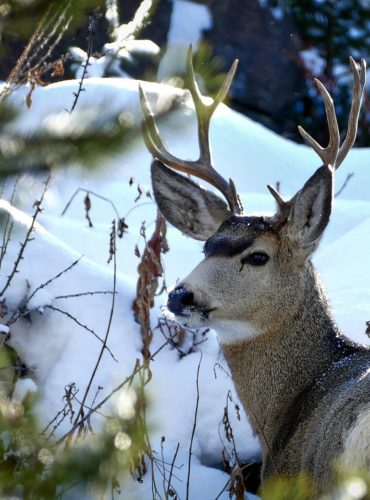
{"x": 239, "y": 271}
{"x": 251, "y": 263}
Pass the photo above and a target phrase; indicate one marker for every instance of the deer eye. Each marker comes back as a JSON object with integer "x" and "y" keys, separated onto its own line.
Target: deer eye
{"x": 255, "y": 259}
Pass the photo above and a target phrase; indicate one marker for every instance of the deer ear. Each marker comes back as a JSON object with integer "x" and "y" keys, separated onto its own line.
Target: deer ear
{"x": 193, "y": 210}
{"x": 310, "y": 212}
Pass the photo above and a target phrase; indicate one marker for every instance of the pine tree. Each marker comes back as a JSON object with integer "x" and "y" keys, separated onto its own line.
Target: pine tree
{"x": 334, "y": 30}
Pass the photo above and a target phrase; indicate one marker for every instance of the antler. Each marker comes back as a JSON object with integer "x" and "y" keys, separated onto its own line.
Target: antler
{"x": 333, "y": 154}
{"x": 201, "y": 168}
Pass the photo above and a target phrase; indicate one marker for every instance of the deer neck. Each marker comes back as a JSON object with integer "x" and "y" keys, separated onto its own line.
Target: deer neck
{"x": 277, "y": 364}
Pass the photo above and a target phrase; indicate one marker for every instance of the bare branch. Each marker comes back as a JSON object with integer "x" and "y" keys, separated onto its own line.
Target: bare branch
{"x": 87, "y": 191}
{"x": 85, "y": 327}
{"x": 348, "y": 178}
{"x": 128, "y": 380}
{"x": 104, "y": 346}
{"x": 169, "y": 493}
{"x": 92, "y": 30}
{"x": 23, "y": 307}
{"x": 83, "y": 294}
{"x": 193, "y": 430}
{"x": 27, "y": 239}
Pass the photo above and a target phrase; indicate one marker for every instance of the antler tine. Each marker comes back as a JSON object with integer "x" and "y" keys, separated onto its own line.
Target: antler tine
{"x": 333, "y": 154}
{"x": 201, "y": 168}
{"x": 359, "y": 80}
{"x": 152, "y": 138}
{"x": 278, "y": 198}
{"x": 283, "y": 207}
{"x": 329, "y": 154}
{"x": 205, "y": 111}
{"x": 197, "y": 168}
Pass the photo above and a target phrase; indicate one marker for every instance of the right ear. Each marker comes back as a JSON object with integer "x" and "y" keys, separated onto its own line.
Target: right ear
{"x": 193, "y": 210}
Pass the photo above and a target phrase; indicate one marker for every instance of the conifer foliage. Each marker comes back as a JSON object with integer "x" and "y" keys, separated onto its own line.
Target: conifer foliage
{"x": 330, "y": 31}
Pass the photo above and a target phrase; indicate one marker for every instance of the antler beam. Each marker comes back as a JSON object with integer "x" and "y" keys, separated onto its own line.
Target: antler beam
{"x": 201, "y": 168}
{"x": 334, "y": 154}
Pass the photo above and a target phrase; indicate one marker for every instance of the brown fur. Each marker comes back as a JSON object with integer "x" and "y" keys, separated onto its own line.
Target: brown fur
{"x": 305, "y": 387}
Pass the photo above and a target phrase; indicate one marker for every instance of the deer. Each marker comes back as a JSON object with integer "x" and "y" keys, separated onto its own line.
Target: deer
{"x": 304, "y": 385}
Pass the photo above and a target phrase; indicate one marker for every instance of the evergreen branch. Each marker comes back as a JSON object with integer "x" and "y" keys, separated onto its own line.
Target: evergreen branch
{"x": 139, "y": 20}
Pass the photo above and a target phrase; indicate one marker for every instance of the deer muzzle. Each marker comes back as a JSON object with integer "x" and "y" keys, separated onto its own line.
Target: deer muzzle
{"x": 180, "y": 301}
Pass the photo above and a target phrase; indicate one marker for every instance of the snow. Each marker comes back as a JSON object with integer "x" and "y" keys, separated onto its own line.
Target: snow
{"x": 123, "y": 46}
{"x": 4, "y": 329}
{"x": 277, "y": 11}
{"x": 313, "y": 62}
{"x": 59, "y": 352}
{"x": 22, "y": 387}
{"x": 188, "y": 21}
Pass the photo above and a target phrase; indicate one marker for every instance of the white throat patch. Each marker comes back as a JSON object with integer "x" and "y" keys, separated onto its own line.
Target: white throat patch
{"x": 231, "y": 331}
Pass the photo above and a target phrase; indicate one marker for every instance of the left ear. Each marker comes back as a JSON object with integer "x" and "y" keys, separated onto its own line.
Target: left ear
{"x": 310, "y": 212}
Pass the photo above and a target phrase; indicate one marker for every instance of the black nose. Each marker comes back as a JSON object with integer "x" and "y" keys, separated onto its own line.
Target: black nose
{"x": 179, "y": 299}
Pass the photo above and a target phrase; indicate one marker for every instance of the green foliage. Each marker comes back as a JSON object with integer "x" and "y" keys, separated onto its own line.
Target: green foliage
{"x": 350, "y": 485}
{"x": 209, "y": 67}
{"x": 86, "y": 137}
{"x": 34, "y": 466}
{"x": 283, "y": 488}
{"x": 335, "y": 30}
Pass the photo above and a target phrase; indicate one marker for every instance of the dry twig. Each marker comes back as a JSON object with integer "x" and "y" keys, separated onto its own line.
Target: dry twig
{"x": 193, "y": 430}
{"x": 90, "y": 40}
{"x": 110, "y": 319}
{"x": 85, "y": 327}
{"x": 33, "y": 62}
{"x": 27, "y": 239}
{"x": 348, "y": 178}
{"x": 149, "y": 270}
{"x": 9, "y": 225}
{"x": 22, "y": 309}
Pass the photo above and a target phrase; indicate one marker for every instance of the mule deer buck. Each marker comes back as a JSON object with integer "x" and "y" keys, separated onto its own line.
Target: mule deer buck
{"x": 305, "y": 386}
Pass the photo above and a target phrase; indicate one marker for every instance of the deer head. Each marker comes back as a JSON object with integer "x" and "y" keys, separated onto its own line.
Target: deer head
{"x": 255, "y": 267}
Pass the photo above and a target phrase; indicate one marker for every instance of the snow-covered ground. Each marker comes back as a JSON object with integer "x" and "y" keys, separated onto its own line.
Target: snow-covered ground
{"x": 59, "y": 352}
